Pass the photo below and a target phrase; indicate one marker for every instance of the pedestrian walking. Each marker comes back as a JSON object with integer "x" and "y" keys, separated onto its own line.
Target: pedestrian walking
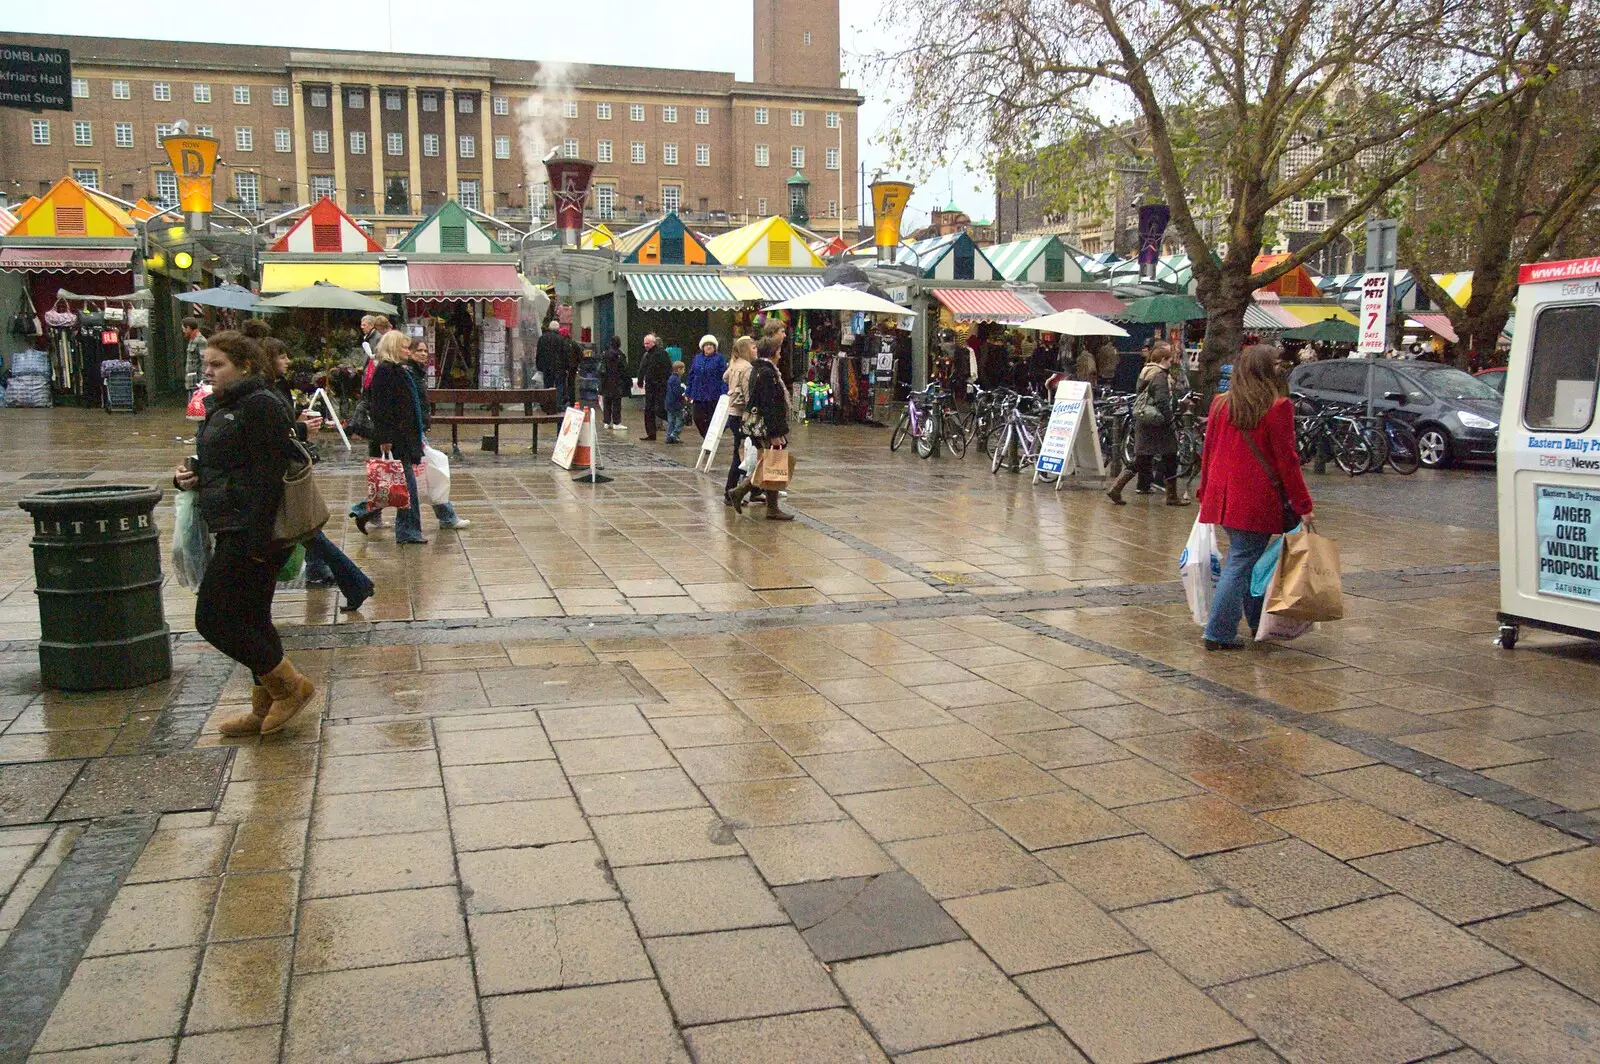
{"x": 193, "y": 344}
{"x": 550, "y": 359}
{"x": 241, "y": 455}
{"x": 418, "y": 368}
{"x": 676, "y": 400}
{"x": 766, "y": 419}
{"x": 737, "y": 378}
{"x": 1155, "y": 428}
{"x": 655, "y": 366}
{"x": 572, "y": 359}
{"x": 1249, "y": 474}
{"x": 705, "y": 382}
{"x": 613, "y": 383}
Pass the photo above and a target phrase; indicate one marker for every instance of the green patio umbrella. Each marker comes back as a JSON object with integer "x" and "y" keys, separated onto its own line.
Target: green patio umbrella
{"x": 1163, "y": 310}
{"x": 1328, "y": 331}
{"x": 325, "y": 296}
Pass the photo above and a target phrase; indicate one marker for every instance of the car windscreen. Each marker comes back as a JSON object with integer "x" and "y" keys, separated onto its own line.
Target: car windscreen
{"x": 1448, "y": 383}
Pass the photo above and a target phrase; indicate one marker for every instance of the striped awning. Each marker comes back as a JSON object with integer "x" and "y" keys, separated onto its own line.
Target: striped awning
{"x": 681, "y": 291}
{"x": 777, "y": 287}
{"x": 1438, "y": 324}
{"x": 1259, "y": 319}
{"x": 743, "y": 288}
{"x": 984, "y": 304}
{"x": 1101, "y": 304}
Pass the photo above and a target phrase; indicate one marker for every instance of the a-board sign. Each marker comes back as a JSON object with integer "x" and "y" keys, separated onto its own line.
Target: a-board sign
{"x": 708, "y": 446}
{"x": 567, "y": 438}
{"x": 1567, "y": 527}
{"x": 1071, "y": 439}
{"x": 35, "y": 79}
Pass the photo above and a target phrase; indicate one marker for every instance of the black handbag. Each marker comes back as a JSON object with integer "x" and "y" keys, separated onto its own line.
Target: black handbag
{"x": 360, "y": 423}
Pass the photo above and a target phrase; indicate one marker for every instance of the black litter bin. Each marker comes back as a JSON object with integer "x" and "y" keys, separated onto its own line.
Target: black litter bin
{"x": 97, "y": 566}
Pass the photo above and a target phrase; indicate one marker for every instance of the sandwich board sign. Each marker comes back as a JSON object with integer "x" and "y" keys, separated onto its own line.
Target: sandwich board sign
{"x": 1071, "y": 439}
{"x": 1374, "y": 314}
{"x": 567, "y": 438}
{"x": 708, "y": 446}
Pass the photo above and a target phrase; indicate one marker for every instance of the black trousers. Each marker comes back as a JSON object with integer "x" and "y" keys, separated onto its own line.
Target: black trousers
{"x": 233, "y": 608}
{"x": 655, "y": 406}
{"x": 702, "y": 415}
{"x": 613, "y": 409}
{"x": 1163, "y": 467}
{"x": 735, "y": 474}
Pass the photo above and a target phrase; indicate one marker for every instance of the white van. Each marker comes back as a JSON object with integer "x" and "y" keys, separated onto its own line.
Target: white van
{"x": 1549, "y": 455}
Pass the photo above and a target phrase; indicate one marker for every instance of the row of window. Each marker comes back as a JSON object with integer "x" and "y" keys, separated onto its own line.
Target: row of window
{"x": 161, "y": 92}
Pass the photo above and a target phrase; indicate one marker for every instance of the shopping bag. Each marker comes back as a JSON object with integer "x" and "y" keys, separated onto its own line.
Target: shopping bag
{"x": 293, "y": 565}
{"x": 196, "y": 410}
{"x": 1307, "y": 586}
{"x": 773, "y": 469}
{"x": 1266, "y": 566}
{"x": 191, "y": 541}
{"x": 752, "y": 455}
{"x": 386, "y": 483}
{"x": 433, "y": 476}
{"x": 1199, "y": 567}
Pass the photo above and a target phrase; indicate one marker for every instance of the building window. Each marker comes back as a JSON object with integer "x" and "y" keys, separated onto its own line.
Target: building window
{"x": 569, "y": 148}
{"x": 121, "y": 90}
{"x": 797, "y": 117}
{"x": 763, "y": 155}
{"x": 319, "y": 97}
{"x": 602, "y": 151}
{"x": 163, "y": 131}
{"x": 41, "y": 130}
{"x": 702, "y": 155}
{"x": 806, "y": 38}
{"x": 702, "y": 116}
{"x": 502, "y": 147}
{"x": 539, "y": 197}
{"x": 321, "y": 187}
{"x": 602, "y": 111}
{"x": 394, "y": 143}
{"x": 830, "y": 159}
{"x": 463, "y": 104}
{"x": 87, "y": 176}
{"x": 319, "y": 141}
{"x": 241, "y": 94}
{"x": 282, "y": 140}
{"x": 202, "y": 93}
{"x": 356, "y": 100}
{"x": 358, "y": 142}
{"x": 832, "y": 119}
{"x": 671, "y": 197}
{"x": 605, "y": 202}
{"x": 124, "y": 134}
{"x": 202, "y": 131}
{"x": 669, "y": 154}
{"x": 392, "y": 101}
{"x": 82, "y": 134}
{"x": 244, "y": 139}
{"x": 669, "y": 114}
{"x": 161, "y": 91}
{"x": 467, "y": 194}
{"x": 467, "y": 146}
{"x": 166, "y": 188}
{"x": 502, "y": 106}
{"x": 635, "y": 150}
{"x": 833, "y": 208}
{"x": 533, "y": 107}
{"x": 280, "y": 96}
{"x": 430, "y": 144}
{"x": 636, "y": 112}
{"x": 569, "y": 108}
{"x": 797, "y": 199}
{"x": 761, "y": 116}
{"x": 80, "y": 88}
{"x": 761, "y": 206}
{"x": 247, "y": 189}
{"x": 430, "y": 101}
{"x": 797, "y": 158}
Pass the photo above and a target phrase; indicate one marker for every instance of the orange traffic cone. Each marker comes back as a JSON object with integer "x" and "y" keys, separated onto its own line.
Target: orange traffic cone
{"x": 584, "y": 462}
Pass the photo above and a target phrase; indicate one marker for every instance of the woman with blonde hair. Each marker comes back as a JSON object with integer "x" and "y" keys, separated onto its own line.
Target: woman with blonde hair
{"x": 1249, "y": 479}
{"x": 737, "y": 379}
{"x": 397, "y": 430}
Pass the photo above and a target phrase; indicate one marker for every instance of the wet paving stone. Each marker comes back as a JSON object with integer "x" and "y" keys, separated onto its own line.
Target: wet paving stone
{"x": 29, "y": 791}
{"x": 146, "y": 783}
{"x": 843, "y": 919}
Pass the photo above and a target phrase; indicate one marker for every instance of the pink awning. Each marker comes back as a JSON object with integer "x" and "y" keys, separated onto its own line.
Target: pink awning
{"x": 1438, "y": 324}
{"x": 980, "y": 304}
{"x": 464, "y": 280}
{"x": 1100, "y": 304}
{"x": 67, "y": 259}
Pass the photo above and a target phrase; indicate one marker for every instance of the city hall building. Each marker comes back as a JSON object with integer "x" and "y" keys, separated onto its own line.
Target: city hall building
{"x": 390, "y": 136}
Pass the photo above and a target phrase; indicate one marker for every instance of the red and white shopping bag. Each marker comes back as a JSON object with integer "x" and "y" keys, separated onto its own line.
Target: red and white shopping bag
{"x": 386, "y": 483}
{"x": 196, "y": 410}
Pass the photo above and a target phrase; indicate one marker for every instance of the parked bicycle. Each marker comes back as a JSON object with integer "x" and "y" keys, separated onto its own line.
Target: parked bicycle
{"x": 930, "y": 418}
{"x": 1018, "y": 437}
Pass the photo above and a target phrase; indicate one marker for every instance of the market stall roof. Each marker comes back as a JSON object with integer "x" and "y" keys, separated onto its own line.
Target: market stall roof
{"x": 680, "y": 291}
{"x": 1173, "y": 272}
{"x": 599, "y": 236}
{"x": 1039, "y": 258}
{"x": 1097, "y": 302}
{"x": 1311, "y": 313}
{"x": 953, "y": 257}
{"x": 666, "y": 242}
{"x": 70, "y": 209}
{"x": 67, "y": 259}
{"x": 1328, "y": 330}
{"x": 325, "y": 296}
{"x": 1259, "y": 319}
{"x": 1074, "y": 323}
{"x": 324, "y": 229}
{"x": 1163, "y": 310}
{"x": 767, "y": 242}
{"x": 449, "y": 231}
{"x": 464, "y": 280}
{"x": 7, "y": 221}
{"x": 292, "y": 276}
{"x": 842, "y": 297}
{"x": 984, "y": 304}
{"x": 1438, "y": 324}
{"x": 1297, "y": 282}
{"x": 1458, "y": 286}
{"x": 777, "y": 286}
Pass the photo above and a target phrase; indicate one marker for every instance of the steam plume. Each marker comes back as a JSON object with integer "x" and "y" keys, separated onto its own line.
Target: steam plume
{"x": 541, "y": 123}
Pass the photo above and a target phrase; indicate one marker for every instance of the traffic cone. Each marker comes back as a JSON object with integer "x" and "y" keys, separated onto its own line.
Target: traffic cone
{"x": 584, "y": 463}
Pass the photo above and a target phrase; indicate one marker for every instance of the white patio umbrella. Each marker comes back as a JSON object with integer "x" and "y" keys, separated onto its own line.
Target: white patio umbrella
{"x": 1073, "y": 322}
{"x": 842, "y": 297}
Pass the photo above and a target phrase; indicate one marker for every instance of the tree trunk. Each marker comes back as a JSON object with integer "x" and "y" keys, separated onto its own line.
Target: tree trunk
{"x": 1225, "y": 304}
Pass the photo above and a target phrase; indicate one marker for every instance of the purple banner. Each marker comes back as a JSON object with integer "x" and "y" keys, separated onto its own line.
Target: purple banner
{"x": 1153, "y": 218}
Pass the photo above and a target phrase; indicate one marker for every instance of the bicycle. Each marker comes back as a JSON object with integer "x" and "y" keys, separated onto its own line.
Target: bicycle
{"x": 1340, "y": 429}
{"x": 922, "y": 421}
{"x": 1019, "y": 435}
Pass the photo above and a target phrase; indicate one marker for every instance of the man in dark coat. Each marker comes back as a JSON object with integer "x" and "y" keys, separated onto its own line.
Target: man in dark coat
{"x": 550, "y": 358}
{"x": 655, "y": 366}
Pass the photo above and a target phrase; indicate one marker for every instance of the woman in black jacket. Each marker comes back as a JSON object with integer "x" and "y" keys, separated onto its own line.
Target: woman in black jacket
{"x": 614, "y": 382}
{"x": 396, "y": 430}
{"x": 417, "y": 366}
{"x": 766, "y": 419}
{"x": 241, "y": 455}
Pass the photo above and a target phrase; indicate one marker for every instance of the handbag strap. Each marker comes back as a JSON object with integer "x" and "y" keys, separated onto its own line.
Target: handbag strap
{"x": 1272, "y": 474}
{"x": 416, "y": 400}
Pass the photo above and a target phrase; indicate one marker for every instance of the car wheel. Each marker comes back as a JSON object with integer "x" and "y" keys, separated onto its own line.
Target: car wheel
{"x": 1434, "y": 447}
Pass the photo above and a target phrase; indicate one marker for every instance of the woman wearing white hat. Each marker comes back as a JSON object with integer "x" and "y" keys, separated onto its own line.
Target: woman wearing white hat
{"x": 705, "y": 382}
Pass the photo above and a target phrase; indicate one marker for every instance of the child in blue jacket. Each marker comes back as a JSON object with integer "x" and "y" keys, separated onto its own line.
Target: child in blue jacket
{"x": 675, "y": 403}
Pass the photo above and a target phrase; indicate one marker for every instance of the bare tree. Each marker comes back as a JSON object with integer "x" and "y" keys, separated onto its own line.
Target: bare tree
{"x": 1239, "y": 106}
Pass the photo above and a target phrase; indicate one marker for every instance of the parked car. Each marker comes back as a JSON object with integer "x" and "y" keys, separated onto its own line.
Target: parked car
{"x": 1456, "y": 416}
{"x": 1494, "y": 378}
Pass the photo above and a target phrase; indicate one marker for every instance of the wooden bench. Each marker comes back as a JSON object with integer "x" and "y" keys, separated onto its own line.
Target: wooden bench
{"x": 499, "y": 408}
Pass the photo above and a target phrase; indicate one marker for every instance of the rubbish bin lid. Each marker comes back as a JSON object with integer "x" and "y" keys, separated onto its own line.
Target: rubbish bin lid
{"x": 91, "y": 497}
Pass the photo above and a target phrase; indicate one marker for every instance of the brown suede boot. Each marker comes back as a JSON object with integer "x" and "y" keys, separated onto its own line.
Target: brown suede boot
{"x": 739, "y": 494}
{"x": 290, "y": 693}
{"x": 1173, "y": 498}
{"x": 1115, "y": 494}
{"x": 773, "y": 512}
{"x": 249, "y": 723}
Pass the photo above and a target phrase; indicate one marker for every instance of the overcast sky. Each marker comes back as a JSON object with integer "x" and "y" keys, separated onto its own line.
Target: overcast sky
{"x": 692, "y": 34}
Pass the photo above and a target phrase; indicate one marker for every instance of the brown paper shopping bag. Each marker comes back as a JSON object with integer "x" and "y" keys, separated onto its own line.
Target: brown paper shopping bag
{"x": 1306, "y": 586}
{"x": 774, "y": 469}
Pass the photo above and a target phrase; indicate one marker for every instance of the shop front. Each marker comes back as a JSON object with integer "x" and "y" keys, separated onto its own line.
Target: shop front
{"x": 467, "y": 311}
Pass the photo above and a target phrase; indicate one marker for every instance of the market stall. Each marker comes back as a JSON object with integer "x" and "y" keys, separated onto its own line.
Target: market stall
{"x": 1040, "y": 259}
{"x": 462, "y": 296}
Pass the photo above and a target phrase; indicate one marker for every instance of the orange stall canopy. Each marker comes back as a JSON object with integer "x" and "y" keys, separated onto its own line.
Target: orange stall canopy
{"x": 1297, "y": 282}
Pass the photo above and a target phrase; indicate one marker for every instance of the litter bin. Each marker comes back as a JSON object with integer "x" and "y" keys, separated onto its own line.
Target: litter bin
{"x": 97, "y": 567}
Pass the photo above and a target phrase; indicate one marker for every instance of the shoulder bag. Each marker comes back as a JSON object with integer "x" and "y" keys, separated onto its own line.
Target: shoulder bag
{"x": 303, "y": 512}
{"x": 1289, "y": 518}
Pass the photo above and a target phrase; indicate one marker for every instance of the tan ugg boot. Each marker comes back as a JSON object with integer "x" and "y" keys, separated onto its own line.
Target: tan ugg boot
{"x": 1115, "y": 493}
{"x": 290, "y": 693}
{"x": 249, "y": 723}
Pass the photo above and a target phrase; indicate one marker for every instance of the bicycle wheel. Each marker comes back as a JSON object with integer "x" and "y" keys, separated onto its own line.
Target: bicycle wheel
{"x": 1127, "y": 445}
{"x": 1378, "y": 443}
{"x": 1351, "y": 451}
{"x": 1405, "y": 456}
{"x": 999, "y": 444}
{"x": 955, "y": 437}
{"x": 901, "y": 429}
{"x": 927, "y": 441}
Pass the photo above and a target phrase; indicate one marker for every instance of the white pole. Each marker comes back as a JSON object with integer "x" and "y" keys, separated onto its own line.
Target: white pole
{"x": 841, "y": 176}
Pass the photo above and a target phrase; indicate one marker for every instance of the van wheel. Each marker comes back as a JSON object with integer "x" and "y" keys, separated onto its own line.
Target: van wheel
{"x": 1434, "y": 447}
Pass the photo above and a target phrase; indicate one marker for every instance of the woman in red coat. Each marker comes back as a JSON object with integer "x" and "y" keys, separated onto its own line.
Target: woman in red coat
{"x": 1244, "y": 489}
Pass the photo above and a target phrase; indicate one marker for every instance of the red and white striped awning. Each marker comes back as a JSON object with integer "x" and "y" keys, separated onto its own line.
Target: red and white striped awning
{"x": 984, "y": 304}
{"x": 1438, "y": 324}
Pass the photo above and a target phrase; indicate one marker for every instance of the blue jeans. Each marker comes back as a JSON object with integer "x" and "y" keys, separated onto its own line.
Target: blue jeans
{"x": 674, "y": 423}
{"x": 408, "y": 520}
{"x": 1233, "y": 599}
{"x": 324, "y": 560}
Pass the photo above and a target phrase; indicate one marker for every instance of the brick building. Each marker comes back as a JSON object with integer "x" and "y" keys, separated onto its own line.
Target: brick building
{"x": 390, "y": 136}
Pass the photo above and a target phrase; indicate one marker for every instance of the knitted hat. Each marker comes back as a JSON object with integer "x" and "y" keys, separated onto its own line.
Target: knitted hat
{"x": 709, "y": 339}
